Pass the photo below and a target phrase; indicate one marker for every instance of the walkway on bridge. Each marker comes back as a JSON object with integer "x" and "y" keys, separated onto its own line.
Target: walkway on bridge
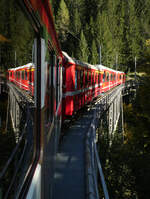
{"x": 70, "y": 175}
{"x": 75, "y": 175}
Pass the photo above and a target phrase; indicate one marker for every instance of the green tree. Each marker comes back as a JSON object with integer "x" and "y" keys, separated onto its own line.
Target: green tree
{"x": 83, "y": 52}
{"x": 94, "y": 53}
{"x": 98, "y": 29}
{"x": 76, "y": 22}
{"x": 134, "y": 31}
{"x": 62, "y": 22}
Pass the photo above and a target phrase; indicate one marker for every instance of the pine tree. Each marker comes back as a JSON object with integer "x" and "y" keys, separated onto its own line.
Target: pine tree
{"x": 135, "y": 38}
{"x": 98, "y": 29}
{"x": 94, "y": 57}
{"x": 83, "y": 52}
{"x": 62, "y": 22}
{"x": 76, "y": 22}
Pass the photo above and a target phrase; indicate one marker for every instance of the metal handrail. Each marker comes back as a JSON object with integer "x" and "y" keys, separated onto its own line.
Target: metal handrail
{"x": 92, "y": 157}
{"x": 105, "y": 190}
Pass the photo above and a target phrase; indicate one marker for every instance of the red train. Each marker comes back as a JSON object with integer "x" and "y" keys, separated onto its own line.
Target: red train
{"x": 81, "y": 82}
{"x": 61, "y": 87}
{"x": 23, "y": 77}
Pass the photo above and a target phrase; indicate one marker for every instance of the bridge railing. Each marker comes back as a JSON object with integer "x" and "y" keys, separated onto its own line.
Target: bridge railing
{"x": 14, "y": 171}
{"x": 130, "y": 85}
{"x": 93, "y": 164}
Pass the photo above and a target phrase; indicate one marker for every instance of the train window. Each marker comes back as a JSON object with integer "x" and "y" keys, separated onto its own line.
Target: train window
{"x": 78, "y": 80}
{"x": 26, "y": 75}
{"x": 96, "y": 78}
{"x": 86, "y": 78}
{"x": 111, "y": 77}
{"x": 57, "y": 83}
{"x": 92, "y": 78}
{"x": 107, "y": 77}
{"x": 89, "y": 77}
{"x": 114, "y": 77}
{"x": 104, "y": 75}
{"x": 22, "y": 75}
{"x": 76, "y": 76}
{"x": 22, "y": 55}
{"x": 81, "y": 78}
{"x": 99, "y": 78}
{"x": 30, "y": 76}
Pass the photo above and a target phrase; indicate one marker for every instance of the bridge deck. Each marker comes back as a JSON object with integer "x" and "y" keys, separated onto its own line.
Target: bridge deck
{"x": 70, "y": 161}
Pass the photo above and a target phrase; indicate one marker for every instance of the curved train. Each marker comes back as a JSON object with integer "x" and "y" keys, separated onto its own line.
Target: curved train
{"x": 60, "y": 85}
{"x": 81, "y": 82}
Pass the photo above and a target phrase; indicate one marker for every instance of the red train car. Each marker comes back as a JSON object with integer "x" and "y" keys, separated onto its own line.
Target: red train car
{"x": 82, "y": 82}
{"x": 23, "y": 77}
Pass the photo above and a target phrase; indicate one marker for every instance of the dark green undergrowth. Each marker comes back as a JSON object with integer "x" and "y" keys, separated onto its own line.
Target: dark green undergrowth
{"x": 126, "y": 161}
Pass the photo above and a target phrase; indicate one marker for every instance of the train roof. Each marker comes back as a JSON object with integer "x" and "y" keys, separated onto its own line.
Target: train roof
{"x": 87, "y": 65}
{"x": 101, "y": 67}
{"x": 78, "y": 62}
{"x": 29, "y": 65}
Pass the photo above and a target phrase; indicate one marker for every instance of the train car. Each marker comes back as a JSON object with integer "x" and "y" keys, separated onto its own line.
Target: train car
{"x": 47, "y": 58}
{"x": 11, "y": 74}
{"x": 110, "y": 78}
{"x": 78, "y": 84}
{"x": 23, "y": 77}
{"x": 82, "y": 82}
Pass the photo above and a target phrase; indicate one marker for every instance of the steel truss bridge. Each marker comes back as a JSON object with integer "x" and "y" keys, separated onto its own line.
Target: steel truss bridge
{"x": 20, "y": 112}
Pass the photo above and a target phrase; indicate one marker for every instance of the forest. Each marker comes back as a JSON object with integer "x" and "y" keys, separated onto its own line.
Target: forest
{"x": 121, "y": 29}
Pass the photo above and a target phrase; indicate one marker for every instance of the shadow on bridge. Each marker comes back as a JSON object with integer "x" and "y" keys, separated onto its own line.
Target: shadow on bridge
{"x": 78, "y": 172}
{"x": 78, "y": 166}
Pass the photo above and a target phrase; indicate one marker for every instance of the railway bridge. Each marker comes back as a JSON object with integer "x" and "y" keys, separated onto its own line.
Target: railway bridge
{"x": 77, "y": 161}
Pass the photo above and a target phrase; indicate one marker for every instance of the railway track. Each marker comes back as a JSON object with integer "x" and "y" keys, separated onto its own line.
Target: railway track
{"x": 23, "y": 95}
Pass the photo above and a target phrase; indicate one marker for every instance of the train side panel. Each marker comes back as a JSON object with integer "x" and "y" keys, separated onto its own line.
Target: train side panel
{"x": 69, "y": 85}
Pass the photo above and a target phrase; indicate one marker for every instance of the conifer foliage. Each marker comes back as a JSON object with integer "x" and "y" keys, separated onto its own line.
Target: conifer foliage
{"x": 121, "y": 28}
{"x": 62, "y": 21}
